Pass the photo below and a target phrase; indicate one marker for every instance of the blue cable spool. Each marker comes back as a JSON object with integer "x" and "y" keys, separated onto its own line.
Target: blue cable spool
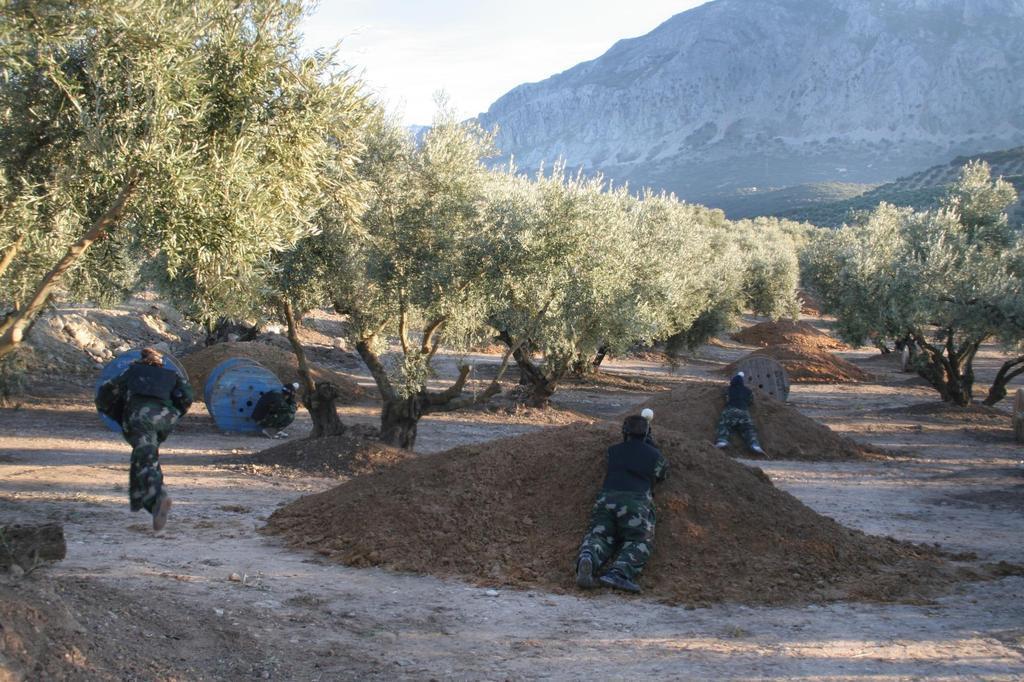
{"x": 232, "y": 391}
{"x": 117, "y": 367}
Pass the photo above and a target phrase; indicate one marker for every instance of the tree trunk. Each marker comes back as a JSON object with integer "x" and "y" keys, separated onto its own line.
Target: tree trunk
{"x": 583, "y": 367}
{"x": 1018, "y": 416}
{"x": 324, "y": 412}
{"x": 1010, "y": 370}
{"x": 26, "y": 545}
{"x": 948, "y": 369}
{"x": 319, "y": 398}
{"x": 400, "y": 415}
{"x": 399, "y": 418}
{"x": 541, "y": 392}
{"x": 13, "y": 328}
{"x": 542, "y": 386}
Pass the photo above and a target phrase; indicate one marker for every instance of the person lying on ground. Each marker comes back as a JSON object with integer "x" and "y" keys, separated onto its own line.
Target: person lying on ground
{"x": 275, "y": 410}
{"x": 622, "y": 519}
{"x": 736, "y": 415}
{"x": 147, "y": 399}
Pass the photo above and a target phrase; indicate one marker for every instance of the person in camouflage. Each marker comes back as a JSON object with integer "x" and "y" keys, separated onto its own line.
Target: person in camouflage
{"x": 276, "y": 410}
{"x": 736, "y": 415}
{"x": 622, "y": 518}
{"x": 147, "y": 400}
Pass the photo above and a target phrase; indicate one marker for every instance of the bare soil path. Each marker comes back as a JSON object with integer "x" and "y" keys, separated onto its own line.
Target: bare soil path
{"x": 211, "y": 598}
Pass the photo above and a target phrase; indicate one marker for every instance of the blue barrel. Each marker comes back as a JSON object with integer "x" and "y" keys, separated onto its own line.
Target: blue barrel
{"x": 232, "y": 391}
{"x": 217, "y": 371}
{"x": 117, "y": 367}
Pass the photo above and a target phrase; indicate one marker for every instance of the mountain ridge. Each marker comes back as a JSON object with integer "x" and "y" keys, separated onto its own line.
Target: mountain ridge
{"x": 739, "y": 93}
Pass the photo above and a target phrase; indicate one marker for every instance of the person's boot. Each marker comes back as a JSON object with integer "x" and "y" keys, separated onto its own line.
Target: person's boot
{"x": 617, "y": 581}
{"x": 585, "y": 571}
{"x": 758, "y": 449}
{"x": 160, "y": 511}
{"x": 721, "y": 444}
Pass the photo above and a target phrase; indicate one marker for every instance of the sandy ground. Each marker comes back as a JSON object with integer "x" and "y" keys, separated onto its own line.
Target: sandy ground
{"x": 170, "y": 596}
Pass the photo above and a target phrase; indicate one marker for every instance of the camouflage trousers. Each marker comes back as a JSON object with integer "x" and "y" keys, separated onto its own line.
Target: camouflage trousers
{"x": 734, "y": 418}
{"x": 145, "y": 428}
{"x": 279, "y": 417}
{"x": 623, "y": 522}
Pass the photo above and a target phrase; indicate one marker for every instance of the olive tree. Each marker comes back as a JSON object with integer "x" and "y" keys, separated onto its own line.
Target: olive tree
{"x": 418, "y": 268}
{"x": 1009, "y": 317}
{"x": 567, "y": 275}
{"x": 944, "y": 280}
{"x": 771, "y": 270}
{"x": 592, "y": 269}
{"x": 188, "y": 137}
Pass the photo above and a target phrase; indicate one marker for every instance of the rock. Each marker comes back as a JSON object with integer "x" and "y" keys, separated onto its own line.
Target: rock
{"x": 15, "y": 570}
{"x": 492, "y": 593}
{"x": 235, "y": 578}
{"x": 26, "y": 544}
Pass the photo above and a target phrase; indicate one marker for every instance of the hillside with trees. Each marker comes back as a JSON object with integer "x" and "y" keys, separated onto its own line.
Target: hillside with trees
{"x": 920, "y": 191}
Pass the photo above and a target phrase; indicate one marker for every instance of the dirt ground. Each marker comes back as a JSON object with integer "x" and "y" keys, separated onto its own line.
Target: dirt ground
{"x": 212, "y": 598}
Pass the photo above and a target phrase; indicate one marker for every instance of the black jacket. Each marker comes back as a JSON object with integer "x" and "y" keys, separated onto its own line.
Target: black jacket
{"x": 634, "y": 466}
{"x": 739, "y": 395}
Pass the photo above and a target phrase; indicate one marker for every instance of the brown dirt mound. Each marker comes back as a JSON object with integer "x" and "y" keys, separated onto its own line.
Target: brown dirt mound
{"x": 354, "y": 453}
{"x": 280, "y": 362}
{"x": 513, "y": 511}
{"x": 791, "y": 332}
{"x": 809, "y": 366}
{"x": 59, "y": 631}
{"x": 693, "y": 409}
{"x": 809, "y": 303}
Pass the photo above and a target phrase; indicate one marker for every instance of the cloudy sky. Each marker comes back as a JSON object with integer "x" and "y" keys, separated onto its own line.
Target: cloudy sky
{"x": 473, "y": 50}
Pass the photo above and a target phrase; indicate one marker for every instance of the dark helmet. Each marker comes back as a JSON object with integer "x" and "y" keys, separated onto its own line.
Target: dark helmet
{"x": 635, "y": 426}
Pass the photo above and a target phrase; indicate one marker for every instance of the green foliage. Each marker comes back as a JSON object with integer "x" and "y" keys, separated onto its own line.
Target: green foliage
{"x": 946, "y": 279}
{"x": 771, "y": 271}
{"x": 588, "y": 268}
{"x": 220, "y": 133}
{"x": 419, "y": 256}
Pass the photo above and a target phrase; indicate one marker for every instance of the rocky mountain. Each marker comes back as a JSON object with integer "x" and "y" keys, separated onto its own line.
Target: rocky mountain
{"x": 744, "y": 94}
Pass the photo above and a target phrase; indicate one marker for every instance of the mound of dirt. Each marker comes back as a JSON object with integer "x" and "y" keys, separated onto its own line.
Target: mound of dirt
{"x": 73, "y": 339}
{"x": 809, "y": 303}
{"x": 354, "y": 453}
{"x": 693, "y": 409}
{"x": 513, "y": 512}
{"x": 809, "y": 366}
{"x": 790, "y": 332}
{"x": 44, "y": 635}
{"x": 281, "y": 362}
